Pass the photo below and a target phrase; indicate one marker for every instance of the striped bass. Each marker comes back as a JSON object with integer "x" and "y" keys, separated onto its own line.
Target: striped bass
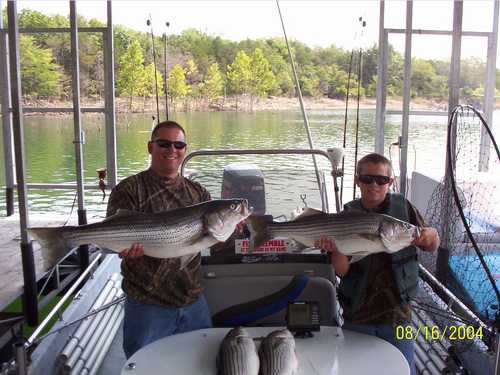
{"x": 277, "y": 354}
{"x": 237, "y": 354}
{"x": 355, "y": 233}
{"x": 167, "y": 234}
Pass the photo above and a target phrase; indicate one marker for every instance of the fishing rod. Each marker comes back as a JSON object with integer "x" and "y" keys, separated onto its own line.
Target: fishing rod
{"x": 165, "y": 84}
{"x": 149, "y": 22}
{"x": 299, "y": 92}
{"x": 360, "y": 71}
{"x": 345, "y": 123}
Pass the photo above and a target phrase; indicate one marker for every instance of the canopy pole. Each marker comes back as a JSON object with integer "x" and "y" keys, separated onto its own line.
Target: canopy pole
{"x": 109, "y": 92}
{"x": 6, "y": 120}
{"x": 30, "y": 302}
{"x": 78, "y": 136}
{"x": 403, "y": 140}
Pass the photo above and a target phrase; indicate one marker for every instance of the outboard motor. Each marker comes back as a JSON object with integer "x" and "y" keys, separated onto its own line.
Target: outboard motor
{"x": 243, "y": 180}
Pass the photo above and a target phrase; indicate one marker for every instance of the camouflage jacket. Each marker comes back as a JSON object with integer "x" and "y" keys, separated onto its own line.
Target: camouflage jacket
{"x": 152, "y": 280}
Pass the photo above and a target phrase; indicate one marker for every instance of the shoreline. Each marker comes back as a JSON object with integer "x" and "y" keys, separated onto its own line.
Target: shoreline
{"x": 272, "y": 104}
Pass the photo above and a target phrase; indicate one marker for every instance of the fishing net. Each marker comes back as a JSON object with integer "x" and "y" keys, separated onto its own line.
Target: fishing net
{"x": 465, "y": 209}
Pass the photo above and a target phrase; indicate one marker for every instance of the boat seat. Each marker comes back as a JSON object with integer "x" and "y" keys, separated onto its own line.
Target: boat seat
{"x": 263, "y": 300}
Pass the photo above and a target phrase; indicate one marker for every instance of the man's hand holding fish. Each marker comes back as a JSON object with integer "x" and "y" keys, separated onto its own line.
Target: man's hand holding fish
{"x": 340, "y": 262}
{"x": 428, "y": 239}
{"x": 136, "y": 250}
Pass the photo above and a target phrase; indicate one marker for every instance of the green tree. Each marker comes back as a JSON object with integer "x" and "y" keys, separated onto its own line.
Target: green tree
{"x": 332, "y": 55}
{"x": 130, "y": 79}
{"x": 395, "y": 71}
{"x": 148, "y": 84}
{"x": 277, "y": 54}
{"x": 213, "y": 85}
{"x": 40, "y": 76}
{"x": 337, "y": 82}
{"x": 239, "y": 75}
{"x": 195, "y": 44}
{"x": 262, "y": 79}
{"x": 424, "y": 80}
{"x": 223, "y": 52}
{"x": 192, "y": 74}
{"x": 193, "y": 78}
{"x": 309, "y": 80}
{"x": 285, "y": 83}
{"x": 178, "y": 87}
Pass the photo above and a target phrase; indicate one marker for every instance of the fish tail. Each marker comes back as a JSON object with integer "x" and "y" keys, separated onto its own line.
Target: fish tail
{"x": 258, "y": 231}
{"x": 54, "y": 246}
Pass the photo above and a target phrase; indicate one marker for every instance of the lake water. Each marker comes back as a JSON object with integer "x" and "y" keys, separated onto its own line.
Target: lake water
{"x": 49, "y": 151}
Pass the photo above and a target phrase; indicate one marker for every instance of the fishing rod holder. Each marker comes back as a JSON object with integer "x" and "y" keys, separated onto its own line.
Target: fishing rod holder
{"x": 21, "y": 357}
{"x": 336, "y": 155}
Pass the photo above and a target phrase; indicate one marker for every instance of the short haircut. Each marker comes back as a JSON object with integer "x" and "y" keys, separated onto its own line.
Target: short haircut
{"x": 374, "y": 158}
{"x": 167, "y": 125}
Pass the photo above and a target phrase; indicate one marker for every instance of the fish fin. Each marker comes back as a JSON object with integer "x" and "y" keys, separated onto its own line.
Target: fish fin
{"x": 356, "y": 258}
{"x": 258, "y": 232}
{"x": 295, "y": 246}
{"x": 122, "y": 213}
{"x": 308, "y": 211}
{"x": 54, "y": 246}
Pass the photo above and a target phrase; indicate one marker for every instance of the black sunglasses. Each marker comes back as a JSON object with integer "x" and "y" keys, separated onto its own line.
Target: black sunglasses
{"x": 369, "y": 178}
{"x": 165, "y": 143}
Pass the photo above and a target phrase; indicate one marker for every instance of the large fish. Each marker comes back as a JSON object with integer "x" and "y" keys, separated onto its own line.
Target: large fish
{"x": 167, "y": 234}
{"x": 355, "y": 233}
{"x": 277, "y": 354}
{"x": 237, "y": 354}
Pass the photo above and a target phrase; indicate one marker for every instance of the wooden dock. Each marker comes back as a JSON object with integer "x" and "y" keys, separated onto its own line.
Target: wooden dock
{"x": 11, "y": 267}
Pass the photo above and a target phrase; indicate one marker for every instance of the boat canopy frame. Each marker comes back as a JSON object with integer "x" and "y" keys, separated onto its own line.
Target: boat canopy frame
{"x": 454, "y": 80}
{"x": 13, "y": 132}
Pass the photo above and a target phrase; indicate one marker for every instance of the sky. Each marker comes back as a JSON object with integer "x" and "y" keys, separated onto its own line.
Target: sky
{"x": 314, "y": 22}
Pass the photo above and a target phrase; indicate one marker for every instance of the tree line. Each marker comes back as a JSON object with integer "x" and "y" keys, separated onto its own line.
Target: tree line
{"x": 207, "y": 69}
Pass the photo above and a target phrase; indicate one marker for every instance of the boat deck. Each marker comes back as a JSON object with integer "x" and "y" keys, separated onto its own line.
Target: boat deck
{"x": 115, "y": 358}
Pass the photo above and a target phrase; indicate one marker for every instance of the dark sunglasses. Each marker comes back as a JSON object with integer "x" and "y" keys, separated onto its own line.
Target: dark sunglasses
{"x": 369, "y": 178}
{"x": 165, "y": 143}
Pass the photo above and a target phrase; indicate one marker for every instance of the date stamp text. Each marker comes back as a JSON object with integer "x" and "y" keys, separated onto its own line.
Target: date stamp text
{"x": 434, "y": 332}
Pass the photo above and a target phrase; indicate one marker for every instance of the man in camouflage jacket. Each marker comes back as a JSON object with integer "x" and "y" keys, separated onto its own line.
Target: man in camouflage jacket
{"x": 163, "y": 296}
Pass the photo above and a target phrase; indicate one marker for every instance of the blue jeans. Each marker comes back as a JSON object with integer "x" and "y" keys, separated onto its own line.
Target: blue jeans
{"x": 143, "y": 323}
{"x": 387, "y": 332}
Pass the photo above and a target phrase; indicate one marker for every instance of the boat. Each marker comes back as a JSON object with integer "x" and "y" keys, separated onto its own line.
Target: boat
{"x": 272, "y": 277}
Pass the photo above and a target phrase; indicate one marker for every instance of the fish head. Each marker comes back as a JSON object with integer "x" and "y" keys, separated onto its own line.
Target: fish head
{"x": 397, "y": 234}
{"x": 280, "y": 338}
{"x": 278, "y": 353}
{"x": 237, "y": 332}
{"x": 225, "y": 214}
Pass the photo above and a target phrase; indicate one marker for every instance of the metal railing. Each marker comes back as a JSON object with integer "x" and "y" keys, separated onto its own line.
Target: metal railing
{"x": 327, "y": 154}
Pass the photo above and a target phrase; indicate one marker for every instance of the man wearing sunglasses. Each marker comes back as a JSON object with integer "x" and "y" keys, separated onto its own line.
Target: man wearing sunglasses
{"x": 375, "y": 292}
{"x": 164, "y": 296}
